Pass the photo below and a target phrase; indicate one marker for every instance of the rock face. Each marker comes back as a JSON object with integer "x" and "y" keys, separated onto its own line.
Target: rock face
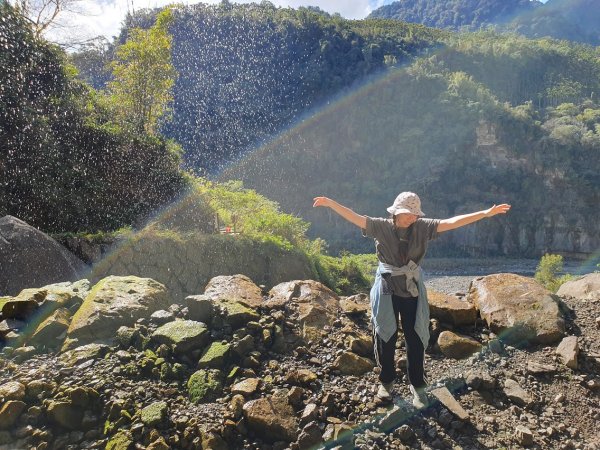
{"x": 198, "y": 259}
{"x": 584, "y": 288}
{"x": 518, "y": 308}
{"x": 115, "y": 302}
{"x": 29, "y": 257}
{"x": 350, "y": 364}
{"x": 450, "y": 309}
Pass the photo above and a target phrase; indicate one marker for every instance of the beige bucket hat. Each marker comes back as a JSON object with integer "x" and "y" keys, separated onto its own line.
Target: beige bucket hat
{"x": 406, "y": 202}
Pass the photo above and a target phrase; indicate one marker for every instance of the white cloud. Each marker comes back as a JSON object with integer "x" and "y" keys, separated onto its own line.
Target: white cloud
{"x": 105, "y": 17}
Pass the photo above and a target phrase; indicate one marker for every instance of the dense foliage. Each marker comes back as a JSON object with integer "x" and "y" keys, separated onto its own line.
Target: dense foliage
{"x": 575, "y": 20}
{"x": 486, "y": 118}
{"x": 455, "y": 14}
{"x": 247, "y": 71}
{"x": 60, "y": 167}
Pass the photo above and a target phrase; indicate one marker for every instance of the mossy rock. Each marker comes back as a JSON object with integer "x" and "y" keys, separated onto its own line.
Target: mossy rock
{"x": 120, "y": 441}
{"x": 182, "y": 336}
{"x": 204, "y": 386}
{"x": 215, "y": 356}
{"x": 238, "y": 314}
{"x": 154, "y": 414}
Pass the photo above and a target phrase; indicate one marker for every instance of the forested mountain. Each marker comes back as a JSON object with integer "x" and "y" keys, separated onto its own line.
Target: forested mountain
{"x": 575, "y": 20}
{"x": 455, "y": 14}
{"x": 246, "y": 71}
{"x": 373, "y": 107}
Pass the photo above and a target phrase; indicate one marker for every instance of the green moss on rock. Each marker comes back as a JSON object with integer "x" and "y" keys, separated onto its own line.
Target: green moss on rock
{"x": 215, "y": 356}
{"x": 204, "y": 386}
{"x": 120, "y": 441}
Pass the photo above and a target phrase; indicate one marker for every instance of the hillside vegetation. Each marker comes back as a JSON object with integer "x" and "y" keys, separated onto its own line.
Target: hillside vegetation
{"x": 380, "y": 106}
{"x": 574, "y": 20}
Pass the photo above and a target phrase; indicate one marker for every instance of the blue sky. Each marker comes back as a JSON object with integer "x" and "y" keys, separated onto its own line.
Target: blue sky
{"x": 91, "y": 18}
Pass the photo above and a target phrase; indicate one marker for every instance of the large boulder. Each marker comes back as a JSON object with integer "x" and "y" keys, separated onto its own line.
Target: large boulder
{"x": 35, "y": 306}
{"x": 51, "y": 331}
{"x": 112, "y": 303}
{"x": 272, "y": 418}
{"x": 29, "y": 257}
{"x": 451, "y": 309}
{"x": 518, "y": 308}
{"x": 237, "y": 296}
{"x": 316, "y": 305}
{"x": 234, "y": 288}
{"x": 183, "y": 336}
{"x": 586, "y": 287}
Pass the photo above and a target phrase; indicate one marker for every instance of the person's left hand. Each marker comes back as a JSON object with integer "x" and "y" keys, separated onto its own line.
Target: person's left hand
{"x": 497, "y": 209}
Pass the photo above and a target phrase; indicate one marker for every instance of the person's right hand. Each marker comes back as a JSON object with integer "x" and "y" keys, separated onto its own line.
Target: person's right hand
{"x": 321, "y": 201}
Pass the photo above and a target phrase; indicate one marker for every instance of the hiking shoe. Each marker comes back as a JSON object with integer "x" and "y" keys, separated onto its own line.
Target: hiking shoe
{"x": 385, "y": 390}
{"x": 420, "y": 399}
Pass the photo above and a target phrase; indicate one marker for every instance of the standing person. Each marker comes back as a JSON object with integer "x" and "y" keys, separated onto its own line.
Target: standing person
{"x": 400, "y": 243}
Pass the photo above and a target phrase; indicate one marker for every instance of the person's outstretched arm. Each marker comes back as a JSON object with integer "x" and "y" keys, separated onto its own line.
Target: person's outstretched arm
{"x": 346, "y": 213}
{"x": 465, "y": 219}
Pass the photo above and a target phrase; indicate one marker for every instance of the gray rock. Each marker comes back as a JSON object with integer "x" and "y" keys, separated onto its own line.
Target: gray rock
{"x": 516, "y": 393}
{"x": 29, "y": 257}
{"x": 523, "y": 436}
{"x": 65, "y": 414}
{"x": 586, "y": 287}
{"x": 154, "y": 414}
{"x": 200, "y": 308}
{"x": 568, "y": 351}
{"x": 183, "y": 336}
{"x": 161, "y": 317}
{"x": 234, "y": 288}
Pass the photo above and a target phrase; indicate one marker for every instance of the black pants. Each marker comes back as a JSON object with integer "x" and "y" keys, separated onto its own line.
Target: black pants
{"x": 406, "y": 307}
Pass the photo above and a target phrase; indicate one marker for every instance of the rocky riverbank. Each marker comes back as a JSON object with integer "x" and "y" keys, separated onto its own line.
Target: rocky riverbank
{"x": 243, "y": 369}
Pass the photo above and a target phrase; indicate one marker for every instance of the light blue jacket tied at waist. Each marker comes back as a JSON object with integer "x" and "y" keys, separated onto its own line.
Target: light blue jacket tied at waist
{"x": 382, "y": 311}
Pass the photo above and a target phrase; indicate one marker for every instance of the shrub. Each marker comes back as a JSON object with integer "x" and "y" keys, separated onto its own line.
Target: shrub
{"x": 548, "y": 272}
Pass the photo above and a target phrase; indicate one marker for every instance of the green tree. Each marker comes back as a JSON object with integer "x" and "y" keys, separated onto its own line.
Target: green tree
{"x": 141, "y": 91}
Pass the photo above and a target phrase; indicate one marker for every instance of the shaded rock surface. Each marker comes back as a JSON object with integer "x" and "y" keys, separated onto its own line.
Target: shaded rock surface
{"x": 29, "y": 257}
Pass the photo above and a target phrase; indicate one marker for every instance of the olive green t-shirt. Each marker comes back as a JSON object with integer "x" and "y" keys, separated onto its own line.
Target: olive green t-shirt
{"x": 398, "y": 246}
